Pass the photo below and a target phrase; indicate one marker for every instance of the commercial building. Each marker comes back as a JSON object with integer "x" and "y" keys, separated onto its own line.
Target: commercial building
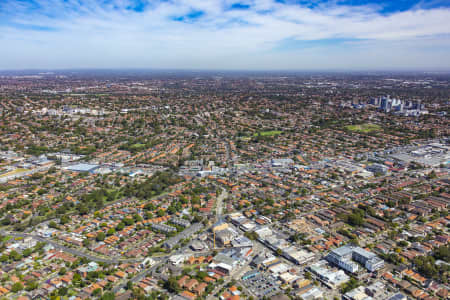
{"x": 377, "y": 169}
{"x": 407, "y": 108}
{"x": 282, "y": 162}
{"x": 180, "y": 222}
{"x": 357, "y": 294}
{"x": 297, "y": 256}
{"x": 375, "y": 291}
{"x": 82, "y": 168}
{"x": 163, "y": 228}
{"x": 368, "y": 259}
{"x": 311, "y": 294}
{"x": 330, "y": 278}
{"x": 343, "y": 256}
{"x": 226, "y": 236}
{"x": 241, "y": 241}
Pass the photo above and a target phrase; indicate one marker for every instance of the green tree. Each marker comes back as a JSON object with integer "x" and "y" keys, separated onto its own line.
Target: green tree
{"x": 16, "y": 287}
{"x": 350, "y": 285}
{"x": 62, "y": 291}
{"x": 86, "y": 242}
{"x": 100, "y": 236}
{"x": 27, "y": 252}
{"x": 128, "y": 221}
{"x": 355, "y": 219}
{"x": 31, "y": 285}
{"x": 120, "y": 226}
{"x": 76, "y": 280}
{"x": 251, "y": 235}
{"x": 97, "y": 292}
{"x": 15, "y": 255}
{"x": 426, "y": 266}
{"x": 108, "y": 296}
{"x": 443, "y": 253}
{"x": 172, "y": 285}
{"x": 137, "y": 218}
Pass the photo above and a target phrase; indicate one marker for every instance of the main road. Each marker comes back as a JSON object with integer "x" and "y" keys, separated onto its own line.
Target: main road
{"x": 69, "y": 250}
{"x": 163, "y": 260}
{"x": 219, "y": 203}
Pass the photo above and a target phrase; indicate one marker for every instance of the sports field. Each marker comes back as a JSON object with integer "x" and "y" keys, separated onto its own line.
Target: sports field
{"x": 269, "y": 133}
{"x": 363, "y": 128}
{"x": 16, "y": 171}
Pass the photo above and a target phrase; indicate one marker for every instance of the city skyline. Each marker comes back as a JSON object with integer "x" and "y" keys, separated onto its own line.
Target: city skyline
{"x": 225, "y": 35}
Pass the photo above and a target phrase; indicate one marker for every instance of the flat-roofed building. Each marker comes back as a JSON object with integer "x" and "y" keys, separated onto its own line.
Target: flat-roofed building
{"x": 342, "y": 257}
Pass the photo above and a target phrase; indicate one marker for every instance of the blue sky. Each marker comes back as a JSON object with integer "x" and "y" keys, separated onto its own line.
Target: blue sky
{"x": 226, "y": 34}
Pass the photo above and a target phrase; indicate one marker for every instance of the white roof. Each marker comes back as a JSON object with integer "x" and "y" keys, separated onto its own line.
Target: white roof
{"x": 288, "y": 277}
{"x": 263, "y": 232}
{"x": 279, "y": 268}
{"x": 225, "y": 266}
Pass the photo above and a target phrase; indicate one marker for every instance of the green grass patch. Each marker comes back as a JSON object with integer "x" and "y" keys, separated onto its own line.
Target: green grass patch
{"x": 137, "y": 147}
{"x": 16, "y": 171}
{"x": 269, "y": 133}
{"x": 6, "y": 238}
{"x": 363, "y": 128}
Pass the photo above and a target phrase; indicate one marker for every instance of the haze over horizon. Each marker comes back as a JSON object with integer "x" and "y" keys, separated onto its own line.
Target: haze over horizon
{"x": 225, "y": 35}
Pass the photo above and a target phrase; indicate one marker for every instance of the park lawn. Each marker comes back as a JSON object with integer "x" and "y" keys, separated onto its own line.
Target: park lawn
{"x": 137, "y": 146}
{"x": 6, "y": 238}
{"x": 363, "y": 128}
{"x": 16, "y": 171}
{"x": 269, "y": 133}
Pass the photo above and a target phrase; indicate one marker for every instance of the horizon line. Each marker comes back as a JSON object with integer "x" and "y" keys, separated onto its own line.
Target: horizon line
{"x": 331, "y": 70}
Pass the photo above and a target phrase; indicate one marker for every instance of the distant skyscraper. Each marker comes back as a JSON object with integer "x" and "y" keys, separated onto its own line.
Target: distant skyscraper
{"x": 408, "y": 108}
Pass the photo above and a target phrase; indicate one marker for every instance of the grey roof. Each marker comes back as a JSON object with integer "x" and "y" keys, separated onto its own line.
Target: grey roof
{"x": 170, "y": 243}
{"x": 364, "y": 253}
{"x": 398, "y": 297}
{"x": 82, "y": 167}
{"x": 343, "y": 251}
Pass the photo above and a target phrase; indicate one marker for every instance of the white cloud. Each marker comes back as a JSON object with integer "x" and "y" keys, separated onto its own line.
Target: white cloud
{"x": 92, "y": 35}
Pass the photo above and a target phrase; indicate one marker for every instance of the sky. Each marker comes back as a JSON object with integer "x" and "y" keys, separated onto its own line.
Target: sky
{"x": 225, "y": 34}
